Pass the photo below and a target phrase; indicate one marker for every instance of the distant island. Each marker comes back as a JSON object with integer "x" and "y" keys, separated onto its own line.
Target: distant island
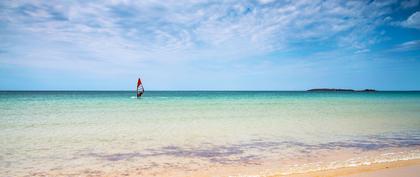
{"x": 339, "y": 90}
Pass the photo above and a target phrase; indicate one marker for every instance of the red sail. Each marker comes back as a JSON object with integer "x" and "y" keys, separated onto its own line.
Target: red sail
{"x": 138, "y": 83}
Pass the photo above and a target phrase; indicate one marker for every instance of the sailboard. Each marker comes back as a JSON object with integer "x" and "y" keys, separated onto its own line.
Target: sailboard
{"x": 140, "y": 88}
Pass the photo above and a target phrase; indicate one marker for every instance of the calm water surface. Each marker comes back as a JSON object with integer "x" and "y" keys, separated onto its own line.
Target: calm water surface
{"x": 215, "y": 133}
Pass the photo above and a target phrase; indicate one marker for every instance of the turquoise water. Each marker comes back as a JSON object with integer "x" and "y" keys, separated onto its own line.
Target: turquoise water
{"x": 203, "y": 132}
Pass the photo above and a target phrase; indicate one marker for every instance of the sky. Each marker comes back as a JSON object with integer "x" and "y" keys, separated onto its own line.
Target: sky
{"x": 209, "y": 45}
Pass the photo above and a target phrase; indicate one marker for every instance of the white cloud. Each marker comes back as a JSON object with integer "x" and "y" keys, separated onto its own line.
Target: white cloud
{"x": 265, "y": 1}
{"x": 408, "y": 46}
{"x": 413, "y": 21}
{"x": 127, "y": 31}
{"x": 362, "y": 51}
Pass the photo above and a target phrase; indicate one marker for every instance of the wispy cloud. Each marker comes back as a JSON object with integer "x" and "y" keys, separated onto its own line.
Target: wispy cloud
{"x": 114, "y": 37}
{"x": 413, "y": 21}
{"x": 152, "y": 27}
{"x": 408, "y": 46}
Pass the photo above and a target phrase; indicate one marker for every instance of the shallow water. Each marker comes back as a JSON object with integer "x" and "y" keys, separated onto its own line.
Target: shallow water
{"x": 198, "y": 132}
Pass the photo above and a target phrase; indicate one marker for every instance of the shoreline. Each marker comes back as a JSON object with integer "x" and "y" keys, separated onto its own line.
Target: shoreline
{"x": 406, "y": 168}
{"x": 377, "y": 169}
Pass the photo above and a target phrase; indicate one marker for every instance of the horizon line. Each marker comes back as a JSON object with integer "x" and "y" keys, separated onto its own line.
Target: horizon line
{"x": 187, "y": 90}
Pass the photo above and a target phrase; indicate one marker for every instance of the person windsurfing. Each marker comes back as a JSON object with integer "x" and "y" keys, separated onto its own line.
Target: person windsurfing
{"x": 140, "y": 88}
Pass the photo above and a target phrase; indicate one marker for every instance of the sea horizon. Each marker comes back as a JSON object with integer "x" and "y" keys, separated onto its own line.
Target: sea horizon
{"x": 199, "y": 90}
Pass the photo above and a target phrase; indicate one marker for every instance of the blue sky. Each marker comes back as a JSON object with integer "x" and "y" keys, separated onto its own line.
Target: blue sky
{"x": 209, "y": 45}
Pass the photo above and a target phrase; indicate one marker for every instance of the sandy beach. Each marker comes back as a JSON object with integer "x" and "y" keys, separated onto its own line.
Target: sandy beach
{"x": 406, "y": 168}
{"x": 407, "y": 171}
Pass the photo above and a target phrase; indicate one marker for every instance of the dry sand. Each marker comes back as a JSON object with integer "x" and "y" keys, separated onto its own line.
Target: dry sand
{"x": 408, "y": 171}
{"x": 403, "y": 168}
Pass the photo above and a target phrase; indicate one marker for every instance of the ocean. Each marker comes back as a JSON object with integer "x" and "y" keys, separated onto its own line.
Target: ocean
{"x": 203, "y": 133}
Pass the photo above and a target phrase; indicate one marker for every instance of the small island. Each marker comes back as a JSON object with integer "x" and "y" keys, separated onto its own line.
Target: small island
{"x": 339, "y": 90}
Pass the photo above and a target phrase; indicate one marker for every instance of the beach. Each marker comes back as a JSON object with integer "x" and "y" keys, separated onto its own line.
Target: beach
{"x": 408, "y": 171}
{"x": 209, "y": 133}
{"x": 407, "y": 168}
